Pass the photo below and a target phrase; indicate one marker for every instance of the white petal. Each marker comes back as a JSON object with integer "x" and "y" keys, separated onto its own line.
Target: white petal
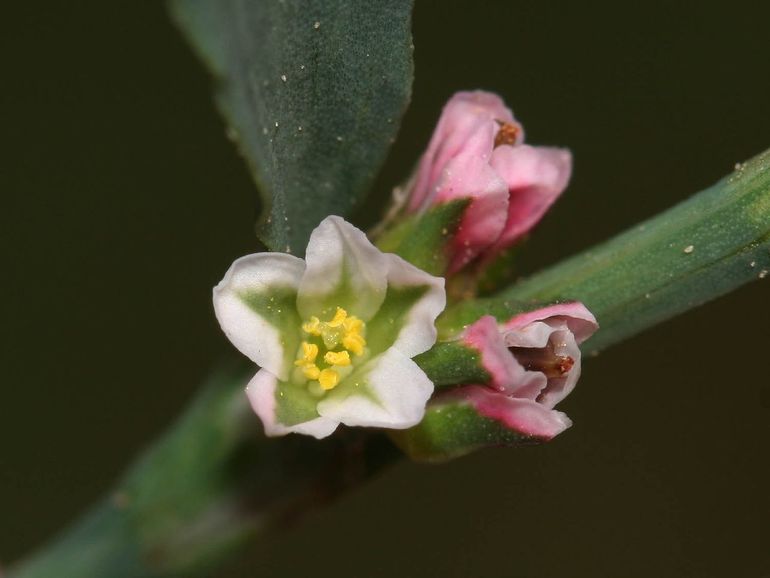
{"x": 418, "y": 333}
{"x": 564, "y": 345}
{"x": 537, "y": 335}
{"x": 392, "y": 395}
{"x": 261, "y": 394}
{"x": 253, "y": 334}
{"x": 343, "y": 270}
{"x": 533, "y": 335}
{"x": 578, "y": 318}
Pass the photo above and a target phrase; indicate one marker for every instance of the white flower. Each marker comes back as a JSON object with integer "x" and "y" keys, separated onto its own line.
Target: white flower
{"x": 334, "y": 334}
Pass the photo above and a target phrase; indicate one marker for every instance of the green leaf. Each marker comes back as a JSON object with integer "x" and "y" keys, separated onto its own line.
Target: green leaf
{"x": 313, "y": 92}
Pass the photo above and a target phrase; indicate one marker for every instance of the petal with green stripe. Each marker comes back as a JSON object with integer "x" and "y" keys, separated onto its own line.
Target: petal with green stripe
{"x": 255, "y": 304}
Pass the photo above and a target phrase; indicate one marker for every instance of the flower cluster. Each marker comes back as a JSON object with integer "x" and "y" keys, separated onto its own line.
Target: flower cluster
{"x": 335, "y": 334}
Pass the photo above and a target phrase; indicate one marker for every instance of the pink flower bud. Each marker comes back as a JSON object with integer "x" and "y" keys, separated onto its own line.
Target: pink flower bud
{"x": 476, "y": 152}
{"x": 534, "y": 362}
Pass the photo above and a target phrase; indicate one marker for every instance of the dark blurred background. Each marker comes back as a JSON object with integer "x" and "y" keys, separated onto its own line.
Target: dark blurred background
{"x": 123, "y": 204}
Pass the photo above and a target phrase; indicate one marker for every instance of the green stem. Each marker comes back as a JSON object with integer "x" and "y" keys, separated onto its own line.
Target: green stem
{"x": 706, "y": 246}
{"x": 212, "y": 483}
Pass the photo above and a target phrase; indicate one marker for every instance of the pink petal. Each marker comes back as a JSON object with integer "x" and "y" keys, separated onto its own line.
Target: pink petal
{"x": 564, "y": 346}
{"x": 484, "y": 336}
{"x": 578, "y": 318}
{"x": 468, "y": 124}
{"x": 261, "y": 394}
{"x": 521, "y": 415}
{"x": 469, "y": 176}
{"x": 535, "y": 176}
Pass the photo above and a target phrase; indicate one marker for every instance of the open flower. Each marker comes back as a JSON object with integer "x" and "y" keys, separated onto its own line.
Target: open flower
{"x": 534, "y": 362}
{"x": 334, "y": 334}
{"x": 476, "y": 152}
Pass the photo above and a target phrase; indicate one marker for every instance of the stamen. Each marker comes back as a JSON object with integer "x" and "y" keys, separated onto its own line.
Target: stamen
{"x": 339, "y": 318}
{"x": 507, "y": 135}
{"x": 328, "y": 378}
{"x": 542, "y": 360}
{"x": 340, "y": 358}
{"x": 341, "y": 329}
{"x": 313, "y": 327}
{"x": 352, "y": 324}
{"x": 309, "y": 351}
{"x": 354, "y": 342}
{"x": 311, "y": 371}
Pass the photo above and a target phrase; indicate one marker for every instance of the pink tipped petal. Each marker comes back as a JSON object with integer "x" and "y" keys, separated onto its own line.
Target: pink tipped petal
{"x": 483, "y": 221}
{"x": 521, "y": 415}
{"x": 484, "y": 336}
{"x": 481, "y": 103}
{"x": 261, "y": 394}
{"x": 535, "y": 356}
{"x": 468, "y": 125}
{"x": 561, "y": 345}
{"x": 462, "y": 132}
{"x": 535, "y": 176}
{"x": 535, "y": 334}
{"x": 476, "y": 144}
{"x": 548, "y": 330}
{"x": 579, "y": 319}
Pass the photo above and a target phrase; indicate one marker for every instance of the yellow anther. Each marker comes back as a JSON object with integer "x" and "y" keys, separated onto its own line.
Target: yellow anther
{"x": 339, "y": 318}
{"x": 354, "y": 342}
{"x": 352, "y": 324}
{"x": 309, "y": 351}
{"x": 311, "y": 371}
{"x": 341, "y": 358}
{"x": 328, "y": 378}
{"x": 340, "y": 329}
{"x": 313, "y": 327}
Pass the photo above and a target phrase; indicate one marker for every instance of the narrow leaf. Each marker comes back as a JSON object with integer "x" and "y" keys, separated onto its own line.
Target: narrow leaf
{"x": 313, "y": 92}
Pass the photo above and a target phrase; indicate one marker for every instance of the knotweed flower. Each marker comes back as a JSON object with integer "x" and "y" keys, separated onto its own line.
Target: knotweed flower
{"x": 477, "y": 152}
{"x": 334, "y": 334}
{"x": 534, "y": 362}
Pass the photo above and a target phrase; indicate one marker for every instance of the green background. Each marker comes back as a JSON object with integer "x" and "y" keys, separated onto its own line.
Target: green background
{"x": 124, "y": 203}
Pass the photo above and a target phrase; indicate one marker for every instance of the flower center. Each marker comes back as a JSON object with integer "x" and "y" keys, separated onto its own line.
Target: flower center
{"x": 543, "y": 360}
{"x": 324, "y": 356}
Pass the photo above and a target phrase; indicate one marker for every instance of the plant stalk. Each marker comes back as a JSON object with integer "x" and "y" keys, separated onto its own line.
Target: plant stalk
{"x": 213, "y": 482}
